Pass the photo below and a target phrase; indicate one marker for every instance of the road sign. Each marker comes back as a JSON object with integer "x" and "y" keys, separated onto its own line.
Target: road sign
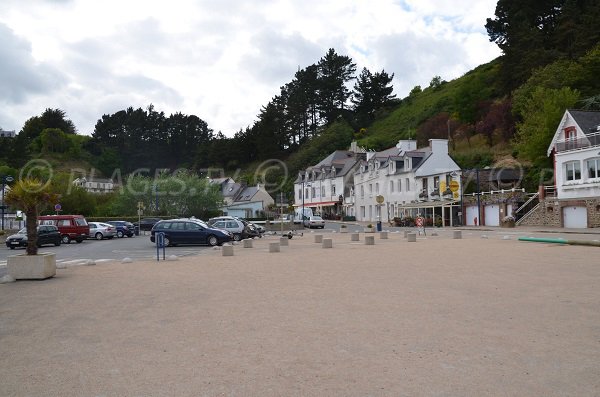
{"x": 379, "y": 199}
{"x": 454, "y": 186}
{"x": 57, "y": 207}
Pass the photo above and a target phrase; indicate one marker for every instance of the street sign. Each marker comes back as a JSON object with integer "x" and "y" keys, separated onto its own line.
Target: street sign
{"x": 419, "y": 221}
{"x": 9, "y": 179}
{"x": 57, "y": 207}
{"x": 379, "y": 199}
{"x": 454, "y": 186}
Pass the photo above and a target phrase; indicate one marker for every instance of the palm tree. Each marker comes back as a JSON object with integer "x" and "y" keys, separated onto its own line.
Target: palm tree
{"x": 31, "y": 196}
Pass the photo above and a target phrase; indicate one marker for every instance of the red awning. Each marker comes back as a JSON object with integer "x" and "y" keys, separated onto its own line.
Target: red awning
{"x": 321, "y": 204}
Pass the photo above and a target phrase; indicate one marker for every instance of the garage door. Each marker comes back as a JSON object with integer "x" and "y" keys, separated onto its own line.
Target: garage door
{"x": 492, "y": 215}
{"x": 575, "y": 217}
{"x": 471, "y": 215}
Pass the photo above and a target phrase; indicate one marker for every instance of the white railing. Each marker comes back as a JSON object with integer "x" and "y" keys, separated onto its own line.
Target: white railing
{"x": 533, "y": 197}
{"x": 580, "y": 142}
{"x": 531, "y": 211}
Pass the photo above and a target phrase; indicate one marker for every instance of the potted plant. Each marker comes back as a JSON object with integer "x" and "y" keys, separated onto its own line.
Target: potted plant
{"x": 370, "y": 228}
{"x": 508, "y": 221}
{"x": 31, "y": 196}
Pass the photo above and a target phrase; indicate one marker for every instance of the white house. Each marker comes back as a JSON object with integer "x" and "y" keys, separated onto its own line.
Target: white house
{"x": 241, "y": 200}
{"x": 327, "y": 187}
{"x": 576, "y": 150}
{"x": 7, "y": 134}
{"x": 404, "y": 181}
{"x": 95, "y": 185}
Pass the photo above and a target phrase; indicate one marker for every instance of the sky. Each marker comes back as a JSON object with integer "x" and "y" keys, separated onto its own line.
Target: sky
{"x": 221, "y": 60}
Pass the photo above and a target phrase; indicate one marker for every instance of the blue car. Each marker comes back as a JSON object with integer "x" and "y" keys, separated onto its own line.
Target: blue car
{"x": 124, "y": 228}
{"x": 189, "y": 231}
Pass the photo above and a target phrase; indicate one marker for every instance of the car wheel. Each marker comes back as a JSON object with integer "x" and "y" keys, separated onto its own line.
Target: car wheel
{"x": 12, "y": 248}
{"x": 56, "y": 244}
{"x": 166, "y": 241}
{"x": 66, "y": 239}
{"x": 79, "y": 241}
{"x": 212, "y": 241}
{"x": 237, "y": 237}
{"x": 99, "y": 236}
{"x": 120, "y": 234}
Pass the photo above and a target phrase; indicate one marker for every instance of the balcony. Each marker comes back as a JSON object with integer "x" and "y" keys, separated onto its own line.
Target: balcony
{"x": 587, "y": 141}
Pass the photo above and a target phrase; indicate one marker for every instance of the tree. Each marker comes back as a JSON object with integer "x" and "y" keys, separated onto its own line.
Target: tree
{"x": 371, "y": 93}
{"x": 31, "y": 196}
{"x": 541, "y": 116}
{"x": 334, "y": 72}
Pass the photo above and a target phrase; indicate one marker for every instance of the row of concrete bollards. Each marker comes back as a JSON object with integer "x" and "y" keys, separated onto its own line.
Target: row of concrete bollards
{"x": 328, "y": 243}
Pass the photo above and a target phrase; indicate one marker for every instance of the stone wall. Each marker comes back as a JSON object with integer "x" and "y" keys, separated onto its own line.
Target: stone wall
{"x": 549, "y": 212}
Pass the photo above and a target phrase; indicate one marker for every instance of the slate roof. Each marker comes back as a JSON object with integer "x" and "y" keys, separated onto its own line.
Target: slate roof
{"x": 586, "y": 119}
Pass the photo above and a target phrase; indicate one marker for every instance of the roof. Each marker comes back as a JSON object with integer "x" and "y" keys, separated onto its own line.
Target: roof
{"x": 247, "y": 194}
{"x": 342, "y": 160}
{"x": 230, "y": 189}
{"x": 587, "y": 120}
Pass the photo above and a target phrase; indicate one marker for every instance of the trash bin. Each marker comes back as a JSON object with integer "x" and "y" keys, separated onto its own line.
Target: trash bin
{"x": 137, "y": 230}
{"x": 379, "y": 226}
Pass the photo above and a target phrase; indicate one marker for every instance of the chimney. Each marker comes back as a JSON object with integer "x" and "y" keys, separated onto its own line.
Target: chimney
{"x": 439, "y": 146}
{"x": 406, "y": 145}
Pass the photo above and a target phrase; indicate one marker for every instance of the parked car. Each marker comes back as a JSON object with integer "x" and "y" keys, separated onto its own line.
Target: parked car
{"x": 314, "y": 221}
{"x": 47, "y": 234}
{"x": 145, "y": 224}
{"x": 189, "y": 231}
{"x": 229, "y": 223}
{"x": 99, "y": 230}
{"x": 124, "y": 228}
{"x": 71, "y": 227}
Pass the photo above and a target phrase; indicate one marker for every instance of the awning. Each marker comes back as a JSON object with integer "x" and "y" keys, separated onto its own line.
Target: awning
{"x": 321, "y": 204}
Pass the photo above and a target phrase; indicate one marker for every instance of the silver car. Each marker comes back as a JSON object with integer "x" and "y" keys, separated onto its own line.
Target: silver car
{"x": 99, "y": 230}
{"x": 314, "y": 221}
{"x": 230, "y": 224}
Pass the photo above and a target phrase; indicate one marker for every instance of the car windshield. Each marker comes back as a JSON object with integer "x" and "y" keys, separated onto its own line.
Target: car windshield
{"x": 22, "y": 231}
{"x": 316, "y": 218}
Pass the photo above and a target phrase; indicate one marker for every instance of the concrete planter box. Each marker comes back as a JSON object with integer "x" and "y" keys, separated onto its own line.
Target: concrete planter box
{"x": 343, "y": 230}
{"x": 26, "y": 267}
{"x": 369, "y": 230}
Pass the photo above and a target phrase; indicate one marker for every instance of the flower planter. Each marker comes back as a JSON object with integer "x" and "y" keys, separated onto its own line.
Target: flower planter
{"x": 27, "y": 267}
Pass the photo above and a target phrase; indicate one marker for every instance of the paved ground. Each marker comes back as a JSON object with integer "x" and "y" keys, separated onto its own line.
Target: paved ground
{"x": 481, "y": 317}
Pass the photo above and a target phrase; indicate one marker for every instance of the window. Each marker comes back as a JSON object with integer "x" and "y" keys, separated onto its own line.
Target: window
{"x": 573, "y": 171}
{"x": 391, "y": 186}
{"x": 333, "y": 190}
{"x": 593, "y": 166}
{"x": 232, "y": 224}
{"x": 436, "y": 182}
{"x": 362, "y": 211}
{"x": 377, "y": 188}
{"x": 370, "y": 188}
{"x": 322, "y": 191}
{"x": 362, "y": 191}
{"x": 80, "y": 222}
{"x": 64, "y": 222}
{"x": 192, "y": 226}
{"x": 300, "y": 194}
{"x": 399, "y": 185}
{"x": 407, "y": 185}
{"x": 306, "y": 193}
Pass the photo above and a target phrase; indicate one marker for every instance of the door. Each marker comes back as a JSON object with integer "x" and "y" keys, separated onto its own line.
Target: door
{"x": 492, "y": 215}
{"x": 575, "y": 217}
{"x": 509, "y": 210}
{"x": 471, "y": 216}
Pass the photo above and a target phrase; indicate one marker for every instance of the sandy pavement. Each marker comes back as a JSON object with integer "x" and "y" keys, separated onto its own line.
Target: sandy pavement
{"x": 439, "y": 317}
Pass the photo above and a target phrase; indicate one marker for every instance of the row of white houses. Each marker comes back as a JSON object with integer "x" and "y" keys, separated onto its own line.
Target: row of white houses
{"x": 406, "y": 181}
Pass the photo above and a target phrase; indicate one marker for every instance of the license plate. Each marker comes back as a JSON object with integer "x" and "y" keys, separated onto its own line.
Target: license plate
{"x": 14, "y": 243}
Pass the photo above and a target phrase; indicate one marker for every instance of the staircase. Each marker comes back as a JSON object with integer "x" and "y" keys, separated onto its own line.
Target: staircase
{"x": 527, "y": 208}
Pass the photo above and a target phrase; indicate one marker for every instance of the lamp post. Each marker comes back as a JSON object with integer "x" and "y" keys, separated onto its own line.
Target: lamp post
{"x": 303, "y": 194}
{"x": 5, "y": 179}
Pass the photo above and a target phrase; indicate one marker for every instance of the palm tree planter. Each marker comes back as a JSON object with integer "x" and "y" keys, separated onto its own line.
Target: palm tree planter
{"x": 31, "y": 196}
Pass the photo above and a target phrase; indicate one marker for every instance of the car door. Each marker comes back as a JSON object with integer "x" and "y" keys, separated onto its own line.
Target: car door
{"x": 196, "y": 233}
{"x": 42, "y": 235}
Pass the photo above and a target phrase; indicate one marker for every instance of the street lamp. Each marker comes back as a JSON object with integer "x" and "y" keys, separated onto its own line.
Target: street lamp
{"x": 303, "y": 194}
{"x": 5, "y": 179}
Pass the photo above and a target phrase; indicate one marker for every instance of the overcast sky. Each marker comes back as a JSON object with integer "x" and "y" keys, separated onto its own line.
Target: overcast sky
{"x": 218, "y": 59}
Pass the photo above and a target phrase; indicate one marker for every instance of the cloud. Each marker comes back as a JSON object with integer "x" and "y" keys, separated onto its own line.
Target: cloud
{"x": 20, "y": 74}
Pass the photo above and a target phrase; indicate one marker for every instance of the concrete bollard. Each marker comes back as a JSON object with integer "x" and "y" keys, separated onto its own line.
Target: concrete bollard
{"x": 274, "y": 247}
{"x": 355, "y": 237}
{"x": 411, "y": 237}
{"x": 248, "y": 243}
{"x": 327, "y": 243}
{"x": 227, "y": 250}
{"x": 283, "y": 241}
{"x": 383, "y": 235}
{"x": 370, "y": 240}
{"x": 457, "y": 235}
{"x": 318, "y": 238}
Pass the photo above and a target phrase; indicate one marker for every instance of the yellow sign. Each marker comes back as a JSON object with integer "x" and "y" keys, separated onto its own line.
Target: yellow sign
{"x": 442, "y": 186}
{"x": 379, "y": 199}
{"x": 454, "y": 186}
{"x": 455, "y": 195}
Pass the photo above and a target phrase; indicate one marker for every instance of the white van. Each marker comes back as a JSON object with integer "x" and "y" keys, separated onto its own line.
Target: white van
{"x": 308, "y": 212}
